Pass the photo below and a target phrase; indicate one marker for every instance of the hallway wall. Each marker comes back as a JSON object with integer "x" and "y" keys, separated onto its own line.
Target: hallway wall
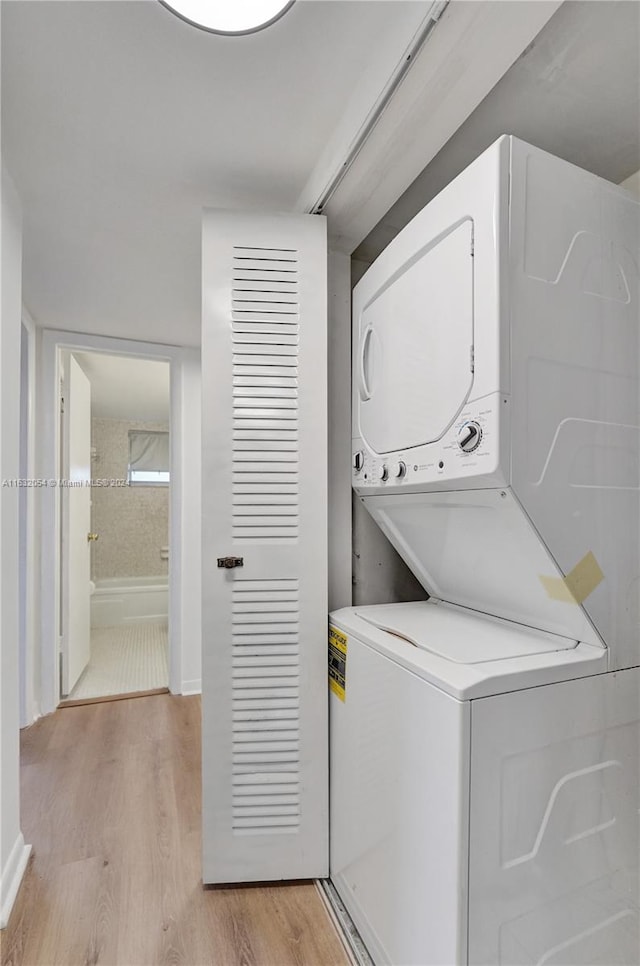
{"x": 13, "y": 853}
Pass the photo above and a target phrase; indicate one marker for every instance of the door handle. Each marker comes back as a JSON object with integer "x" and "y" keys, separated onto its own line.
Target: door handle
{"x": 92, "y": 536}
{"x": 229, "y": 562}
{"x": 365, "y": 391}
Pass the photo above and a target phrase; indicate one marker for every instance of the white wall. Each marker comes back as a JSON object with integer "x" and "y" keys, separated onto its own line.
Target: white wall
{"x": 13, "y": 853}
{"x": 632, "y": 184}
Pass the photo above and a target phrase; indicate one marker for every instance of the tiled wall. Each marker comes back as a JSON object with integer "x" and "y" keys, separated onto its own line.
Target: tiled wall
{"x": 132, "y": 521}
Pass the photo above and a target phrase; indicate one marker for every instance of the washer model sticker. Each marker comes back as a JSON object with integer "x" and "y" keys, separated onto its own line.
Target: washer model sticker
{"x": 337, "y": 662}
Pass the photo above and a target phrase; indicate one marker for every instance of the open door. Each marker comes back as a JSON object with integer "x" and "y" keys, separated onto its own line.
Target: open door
{"x": 76, "y": 525}
{"x": 264, "y": 512}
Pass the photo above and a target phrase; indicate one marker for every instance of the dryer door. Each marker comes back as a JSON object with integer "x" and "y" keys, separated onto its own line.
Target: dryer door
{"x": 414, "y": 359}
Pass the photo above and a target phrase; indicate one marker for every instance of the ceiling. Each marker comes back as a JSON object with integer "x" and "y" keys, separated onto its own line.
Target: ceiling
{"x": 574, "y": 92}
{"x": 120, "y": 122}
{"x": 123, "y": 387}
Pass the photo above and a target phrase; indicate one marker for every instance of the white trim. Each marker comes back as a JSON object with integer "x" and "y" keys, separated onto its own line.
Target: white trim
{"x": 472, "y": 47}
{"x": 355, "y": 949}
{"x": 176, "y": 501}
{"x": 12, "y": 877}
{"x": 184, "y": 562}
{"x": 29, "y": 709}
{"x": 191, "y": 687}
{"x": 186, "y": 661}
{"x": 381, "y": 104}
{"x": 339, "y": 413}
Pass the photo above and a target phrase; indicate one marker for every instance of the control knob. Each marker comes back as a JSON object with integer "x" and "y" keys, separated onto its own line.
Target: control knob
{"x": 383, "y": 472}
{"x": 358, "y": 461}
{"x": 399, "y": 469}
{"x": 469, "y": 437}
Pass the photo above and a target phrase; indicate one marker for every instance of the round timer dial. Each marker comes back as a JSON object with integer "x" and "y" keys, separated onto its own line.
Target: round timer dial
{"x": 469, "y": 437}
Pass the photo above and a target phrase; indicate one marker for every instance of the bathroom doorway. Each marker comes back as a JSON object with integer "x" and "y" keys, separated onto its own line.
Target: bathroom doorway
{"x": 114, "y": 499}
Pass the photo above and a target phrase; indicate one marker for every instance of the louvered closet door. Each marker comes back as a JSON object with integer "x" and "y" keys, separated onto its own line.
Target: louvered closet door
{"x": 264, "y": 499}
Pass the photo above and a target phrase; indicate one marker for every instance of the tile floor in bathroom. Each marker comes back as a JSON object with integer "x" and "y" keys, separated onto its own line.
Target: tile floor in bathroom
{"x": 126, "y": 658}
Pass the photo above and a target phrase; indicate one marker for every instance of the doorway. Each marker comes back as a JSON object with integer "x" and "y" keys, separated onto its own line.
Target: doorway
{"x": 184, "y": 618}
{"x": 114, "y": 498}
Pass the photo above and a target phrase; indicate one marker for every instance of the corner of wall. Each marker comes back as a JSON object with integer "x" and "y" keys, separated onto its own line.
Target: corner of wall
{"x": 632, "y": 184}
{"x": 191, "y": 687}
{"x": 13, "y": 852}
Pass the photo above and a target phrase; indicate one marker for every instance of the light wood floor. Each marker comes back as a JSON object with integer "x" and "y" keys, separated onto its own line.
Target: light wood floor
{"x": 111, "y": 804}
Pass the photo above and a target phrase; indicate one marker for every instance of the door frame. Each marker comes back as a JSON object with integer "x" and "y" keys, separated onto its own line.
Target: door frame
{"x": 28, "y": 658}
{"x": 74, "y": 423}
{"x": 184, "y": 540}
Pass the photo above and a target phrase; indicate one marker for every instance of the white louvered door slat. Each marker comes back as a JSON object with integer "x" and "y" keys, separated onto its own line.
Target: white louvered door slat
{"x": 264, "y": 694}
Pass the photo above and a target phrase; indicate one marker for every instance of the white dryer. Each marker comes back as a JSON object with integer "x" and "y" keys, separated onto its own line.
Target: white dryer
{"x": 496, "y": 439}
{"x": 484, "y": 759}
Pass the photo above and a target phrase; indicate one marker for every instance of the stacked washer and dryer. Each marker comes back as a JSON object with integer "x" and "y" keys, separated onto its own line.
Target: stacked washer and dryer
{"x": 485, "y": 744}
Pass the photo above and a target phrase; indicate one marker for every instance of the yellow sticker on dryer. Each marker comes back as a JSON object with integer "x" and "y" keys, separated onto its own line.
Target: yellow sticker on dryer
{"x": 338, "y": 662}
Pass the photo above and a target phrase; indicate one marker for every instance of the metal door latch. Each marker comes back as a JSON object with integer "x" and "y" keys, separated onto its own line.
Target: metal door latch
{"x": 229, "y": 562}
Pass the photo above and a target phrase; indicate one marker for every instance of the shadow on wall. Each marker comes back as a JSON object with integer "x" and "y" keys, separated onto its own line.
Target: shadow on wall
{"x": 380, "y": 575}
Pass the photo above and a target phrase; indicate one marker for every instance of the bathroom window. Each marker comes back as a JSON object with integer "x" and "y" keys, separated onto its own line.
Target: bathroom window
{"x": 148, "y": 458}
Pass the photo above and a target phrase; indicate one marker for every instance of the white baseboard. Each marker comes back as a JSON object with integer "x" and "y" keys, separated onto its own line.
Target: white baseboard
{"x": 32, "y": 717}
{"x": 191, "y": 687}
{"x": 12, "y": 877}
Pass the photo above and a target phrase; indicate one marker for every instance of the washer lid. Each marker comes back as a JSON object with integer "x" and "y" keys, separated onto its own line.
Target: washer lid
{"x": 463, "y": 637}
{"x": 413, "y": 364}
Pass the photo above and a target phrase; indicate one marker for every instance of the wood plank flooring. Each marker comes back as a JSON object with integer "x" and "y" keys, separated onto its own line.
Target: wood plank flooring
{"x": 111, "y": 804}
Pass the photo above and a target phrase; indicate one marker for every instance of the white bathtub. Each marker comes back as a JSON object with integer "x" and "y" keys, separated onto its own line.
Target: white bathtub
{"x": 126, "y": 600}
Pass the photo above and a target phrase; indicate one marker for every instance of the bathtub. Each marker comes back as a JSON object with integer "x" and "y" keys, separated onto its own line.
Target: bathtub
{"x": 126, "y": 600}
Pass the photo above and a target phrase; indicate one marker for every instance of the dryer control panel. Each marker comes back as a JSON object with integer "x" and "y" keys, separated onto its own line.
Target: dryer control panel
{"x": 471, "y": 453}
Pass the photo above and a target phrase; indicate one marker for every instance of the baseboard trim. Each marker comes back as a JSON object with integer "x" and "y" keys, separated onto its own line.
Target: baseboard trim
{"x": 36, "y": 717}
{"x": 191, "y": 687}
{"x": 12, "y": 877}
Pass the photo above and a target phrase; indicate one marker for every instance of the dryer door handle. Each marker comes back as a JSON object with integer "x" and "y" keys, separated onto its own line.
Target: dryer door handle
{"x": 365, "y": 391}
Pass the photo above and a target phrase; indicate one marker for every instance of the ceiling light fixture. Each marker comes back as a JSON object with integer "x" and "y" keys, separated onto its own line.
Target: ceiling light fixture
{"x": 230, "y": 17}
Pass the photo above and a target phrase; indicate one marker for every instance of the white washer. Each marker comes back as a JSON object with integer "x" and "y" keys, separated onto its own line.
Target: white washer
{"x": 484, "y": 761}
{"x": 474, "y": 826}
